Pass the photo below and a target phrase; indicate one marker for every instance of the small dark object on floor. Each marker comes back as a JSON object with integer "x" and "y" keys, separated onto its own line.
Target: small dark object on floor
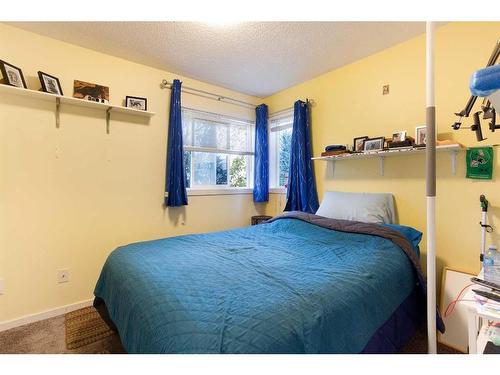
{"x": 259, "y": 219}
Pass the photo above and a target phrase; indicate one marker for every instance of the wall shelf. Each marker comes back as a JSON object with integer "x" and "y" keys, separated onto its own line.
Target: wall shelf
{"x": 60, "y": 99}
{"x": 453, "y": 150}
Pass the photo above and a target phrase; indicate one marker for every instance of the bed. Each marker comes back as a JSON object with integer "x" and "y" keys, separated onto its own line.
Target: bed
{"x": 300, "y": 283}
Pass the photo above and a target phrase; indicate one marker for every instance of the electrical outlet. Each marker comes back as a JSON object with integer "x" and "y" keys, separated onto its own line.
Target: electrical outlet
{"x": 63, "y": 276}
{"x": 2, "y": 286}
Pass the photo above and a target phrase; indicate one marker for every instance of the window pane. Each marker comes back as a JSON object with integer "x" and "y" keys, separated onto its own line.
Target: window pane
{"x": 207, "y": 169}
{"x": 203, "y": 168}
{"x": 284, "y": 121}
{"x": 238, "y": 170}
{"x": 210, "y": 134}
{"x": 187, "y": 129}
{"x": 284, "y": 145}
{"x": 238, "y": 136}
{"x": 221, "y": 169}
{"x": 187, "y": 167}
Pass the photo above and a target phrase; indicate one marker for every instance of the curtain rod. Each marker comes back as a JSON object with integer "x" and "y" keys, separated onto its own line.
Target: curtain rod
{"x": 281, "y": 111}
{"x": 239, "y": 119}
{"x": 209, "y": 95}
{"x": 310, "y": 101}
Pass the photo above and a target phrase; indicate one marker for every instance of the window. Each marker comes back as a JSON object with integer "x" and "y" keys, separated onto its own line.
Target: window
{"x": 218, "y": 150}
{"x": 280, "y": 140}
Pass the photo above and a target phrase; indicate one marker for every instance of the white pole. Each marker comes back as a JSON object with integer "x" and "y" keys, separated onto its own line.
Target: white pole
{"x": 483, "y": 232}
{"x": 431, "y": 190}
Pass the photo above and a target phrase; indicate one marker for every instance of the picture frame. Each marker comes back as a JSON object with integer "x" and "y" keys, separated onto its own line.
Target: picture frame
{"x": 421, "y": 135}
{"x": 373, "y": 144}
{"x": 50, "y": 83}
{"x": 399, "y": 136}
{"x": 357, "y": 143}
{"x": 90, "y": 91}
{"x": 12, "y": 75}
{"x": 136, "y": 102}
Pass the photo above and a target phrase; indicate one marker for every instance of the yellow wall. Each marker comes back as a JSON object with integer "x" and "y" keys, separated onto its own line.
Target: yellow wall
{"x": 71, "y": 195}
{"x": 349, "y": 103}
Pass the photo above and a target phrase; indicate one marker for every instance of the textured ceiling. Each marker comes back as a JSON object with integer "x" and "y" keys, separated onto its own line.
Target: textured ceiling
{"x": 256, "y": 58}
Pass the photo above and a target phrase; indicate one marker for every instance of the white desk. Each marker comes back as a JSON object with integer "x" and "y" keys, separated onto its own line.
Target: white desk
{"x": 477, "y": 320}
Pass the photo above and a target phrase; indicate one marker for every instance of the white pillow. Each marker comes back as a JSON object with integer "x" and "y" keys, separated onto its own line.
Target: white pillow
{"x": 365, "y": 207}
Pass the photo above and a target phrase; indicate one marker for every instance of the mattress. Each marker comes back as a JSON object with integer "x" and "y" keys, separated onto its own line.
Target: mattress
{"x": 288, "y": 286}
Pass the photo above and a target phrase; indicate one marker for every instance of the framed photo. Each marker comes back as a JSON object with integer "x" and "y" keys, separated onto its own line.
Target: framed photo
{"x": 136, "y": 103}
{"x": 357, "y": 144}
{"x": 12, "y": 75}
{"x": 421, "y": 135}
{"x": 399, "y": 136}
{"x": 50, "y": 83}
{"x": 373, "y": 144}
{"x": 90, "y": 91}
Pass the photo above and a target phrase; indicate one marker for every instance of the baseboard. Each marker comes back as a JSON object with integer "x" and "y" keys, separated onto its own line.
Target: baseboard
{"x": 8, "y": 324}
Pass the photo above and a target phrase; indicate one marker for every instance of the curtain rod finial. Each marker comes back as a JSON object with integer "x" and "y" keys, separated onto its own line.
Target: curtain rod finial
{"x": 164, "y": 84}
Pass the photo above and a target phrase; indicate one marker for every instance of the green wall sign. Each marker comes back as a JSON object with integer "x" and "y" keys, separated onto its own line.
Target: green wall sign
{"x": 479, "y": 163}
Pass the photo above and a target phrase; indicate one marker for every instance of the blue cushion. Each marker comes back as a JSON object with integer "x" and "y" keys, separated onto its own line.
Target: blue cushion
{"x": 485, "y": 81}
{"x": 413, "y": 235}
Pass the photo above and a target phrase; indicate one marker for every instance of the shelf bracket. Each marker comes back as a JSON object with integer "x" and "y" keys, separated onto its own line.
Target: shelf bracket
{"x": 453, "y": 156}
{"x": 333, "y": 168}
{"x": 58, "y": 106}
{"x": 381, "y": 164}
{"x": 108, "y": 115}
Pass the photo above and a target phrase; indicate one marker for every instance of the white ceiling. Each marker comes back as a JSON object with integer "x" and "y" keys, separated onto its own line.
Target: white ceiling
{"x": 256, "y": 58}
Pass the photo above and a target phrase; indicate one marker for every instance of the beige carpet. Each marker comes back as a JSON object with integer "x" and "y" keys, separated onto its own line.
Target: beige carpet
{"x": 86, "y": 333}
{"x": 49, "y": 337}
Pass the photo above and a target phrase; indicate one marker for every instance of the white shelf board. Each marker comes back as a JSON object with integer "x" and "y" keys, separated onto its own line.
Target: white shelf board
{"x": 452, "y": 149}
{"x": 45, "y": 96}
{"x": 385, "y": 153}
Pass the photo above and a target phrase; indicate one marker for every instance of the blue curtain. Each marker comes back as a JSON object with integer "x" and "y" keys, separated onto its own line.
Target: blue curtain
{"x": 175, "y": 182}
{"x": 261, "y": 158}
{"x": 301, "y": 193}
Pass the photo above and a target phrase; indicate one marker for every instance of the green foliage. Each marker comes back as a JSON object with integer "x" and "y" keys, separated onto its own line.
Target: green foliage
{"x": 221, "y": 170}
{"x": 285, "y": 142}
{"x": 187, "y": 167}
{"x": 238, "y": 173}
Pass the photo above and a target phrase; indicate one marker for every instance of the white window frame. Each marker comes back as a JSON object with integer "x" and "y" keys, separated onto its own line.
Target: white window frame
{"x": 225, "y": 120}
{"x": 274, "y": 128}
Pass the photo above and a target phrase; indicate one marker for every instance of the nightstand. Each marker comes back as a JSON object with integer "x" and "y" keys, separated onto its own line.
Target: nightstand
{"x": 477, "y": 320}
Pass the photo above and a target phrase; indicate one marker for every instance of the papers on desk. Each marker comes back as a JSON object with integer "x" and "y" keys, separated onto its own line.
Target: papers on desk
{"x": 487, "y": 305}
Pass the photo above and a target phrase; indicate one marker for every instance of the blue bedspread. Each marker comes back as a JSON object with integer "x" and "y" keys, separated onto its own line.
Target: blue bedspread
{"x": 283, "y": 287}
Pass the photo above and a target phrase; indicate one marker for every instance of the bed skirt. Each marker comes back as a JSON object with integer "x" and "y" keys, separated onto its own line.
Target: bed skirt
{"x": 391, "y": 337}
